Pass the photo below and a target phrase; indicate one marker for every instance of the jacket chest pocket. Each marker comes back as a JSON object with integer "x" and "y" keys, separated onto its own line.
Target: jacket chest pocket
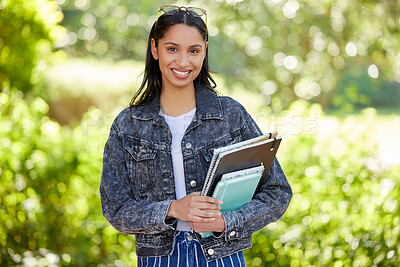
{"x": 141, "y": 164}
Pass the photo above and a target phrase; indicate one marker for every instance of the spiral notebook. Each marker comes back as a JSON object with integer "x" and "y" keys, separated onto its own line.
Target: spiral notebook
{"x": 240, "y": 156}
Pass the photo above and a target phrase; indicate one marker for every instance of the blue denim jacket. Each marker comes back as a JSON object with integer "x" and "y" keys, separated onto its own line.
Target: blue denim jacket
{"x": 137, "y": 183}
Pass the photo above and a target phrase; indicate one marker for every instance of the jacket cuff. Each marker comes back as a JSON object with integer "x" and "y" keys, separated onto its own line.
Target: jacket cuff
{"x": 163, "y": 209}
{"x": 170, "y": 222}
{"x": 234, "y": 225}
{"x": 218, "y": 234}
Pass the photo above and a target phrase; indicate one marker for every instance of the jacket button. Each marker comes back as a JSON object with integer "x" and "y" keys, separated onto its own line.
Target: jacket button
{"x": 188, "y": 145}
{"x": 210, "y": 251}
{"x": 193, "y": 183}
{"x": 233, "y": 233}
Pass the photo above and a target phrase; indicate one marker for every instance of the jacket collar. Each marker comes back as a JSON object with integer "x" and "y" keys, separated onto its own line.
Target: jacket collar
{"x": 208, "y": 106}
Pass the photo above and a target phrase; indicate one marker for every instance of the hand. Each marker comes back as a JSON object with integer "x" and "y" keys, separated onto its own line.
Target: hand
{"x": 204, "y": 227}
{"x": 195, "y": 208}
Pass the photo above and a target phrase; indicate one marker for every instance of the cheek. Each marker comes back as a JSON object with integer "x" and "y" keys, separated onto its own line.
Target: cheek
{"x": 165, "y": 59}
{"x": 199, "y": 62}
{"x": 164, "y": 64}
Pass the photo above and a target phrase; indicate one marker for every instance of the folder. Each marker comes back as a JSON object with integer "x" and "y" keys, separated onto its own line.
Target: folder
{"x": 236, "y": 189}
{"x": 239, "y": 156}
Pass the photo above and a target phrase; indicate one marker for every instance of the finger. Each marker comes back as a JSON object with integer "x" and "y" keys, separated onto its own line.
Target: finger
{"x": 208, "y": 214}
{"x": 201, "y": 220}
{"x": 202, "y": 226}
{"x": 204, "y": 206}
{"x": 203, "y": 216}
{"x": 215, "y": 200}
{"x": 207, "y": 206}
{"x": 208, "y": 199}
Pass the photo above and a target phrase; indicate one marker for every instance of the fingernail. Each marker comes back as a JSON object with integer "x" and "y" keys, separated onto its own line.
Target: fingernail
{"x": 220, "y": 202}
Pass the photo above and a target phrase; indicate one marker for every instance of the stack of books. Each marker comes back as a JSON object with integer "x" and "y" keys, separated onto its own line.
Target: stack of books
{"x": 236, "y": 171}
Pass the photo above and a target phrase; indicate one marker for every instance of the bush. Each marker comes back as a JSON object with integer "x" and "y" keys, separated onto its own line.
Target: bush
{"x": 342, "y": 213}
{"x": 49, "y": 202}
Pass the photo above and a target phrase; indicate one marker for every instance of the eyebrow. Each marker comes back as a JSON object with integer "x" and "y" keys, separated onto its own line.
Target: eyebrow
{"x": 175, "y": 44}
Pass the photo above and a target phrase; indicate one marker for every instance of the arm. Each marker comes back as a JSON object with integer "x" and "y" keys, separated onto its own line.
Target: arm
{"x": 121, "y": 208}
{"x": 269, "y": 202}
{"x": 130, "y": 215}
{"x": 196, "y": 209}
{"x": 267, "y": 206}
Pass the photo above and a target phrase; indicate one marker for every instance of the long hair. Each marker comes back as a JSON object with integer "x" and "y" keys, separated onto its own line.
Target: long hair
{"x": 152, "y": 78}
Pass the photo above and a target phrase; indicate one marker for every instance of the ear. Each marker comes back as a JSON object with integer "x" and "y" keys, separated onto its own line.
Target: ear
{"x": 205, "y": 49}
{"x": 154, "y": 50}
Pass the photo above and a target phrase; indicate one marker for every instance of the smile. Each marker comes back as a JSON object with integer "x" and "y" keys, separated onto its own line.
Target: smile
{"x": 181, "y": 72}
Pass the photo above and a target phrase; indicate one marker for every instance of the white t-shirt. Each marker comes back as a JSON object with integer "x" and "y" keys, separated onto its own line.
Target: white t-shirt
{"x": 178, "y": 126}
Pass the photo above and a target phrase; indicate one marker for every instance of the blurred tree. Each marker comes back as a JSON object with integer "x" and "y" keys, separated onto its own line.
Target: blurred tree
{"x": 107, "y": 29}
{"x": 345, "y": 209}
{"x": 343, "y": 212}
{"x": 50, "y": 213}
{"x": 294, "y": 50}
{"x": 285, "y": 49}
{"x": 27, "y": 29}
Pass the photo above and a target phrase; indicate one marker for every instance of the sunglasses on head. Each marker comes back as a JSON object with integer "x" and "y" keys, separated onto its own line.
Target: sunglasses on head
{"x": 173, "y": 10}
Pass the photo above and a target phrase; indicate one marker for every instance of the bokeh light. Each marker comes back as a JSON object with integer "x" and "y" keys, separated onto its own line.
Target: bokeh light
{"x": 290, "y": 63}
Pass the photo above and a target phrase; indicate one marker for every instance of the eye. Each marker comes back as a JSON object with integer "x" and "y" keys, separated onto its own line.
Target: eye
{"x": 172, "y": 49}
{"x": 193, "y": 51}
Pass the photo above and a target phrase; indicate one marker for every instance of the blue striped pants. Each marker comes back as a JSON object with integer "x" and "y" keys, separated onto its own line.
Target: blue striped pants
{"x": 187, "y": 252}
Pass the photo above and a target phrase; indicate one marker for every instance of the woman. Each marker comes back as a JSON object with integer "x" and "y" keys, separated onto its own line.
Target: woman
{"x": 159, "y": 149}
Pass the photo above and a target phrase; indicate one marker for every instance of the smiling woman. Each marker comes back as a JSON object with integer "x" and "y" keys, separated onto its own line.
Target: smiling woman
{"x": 189, "y": 22}
{"x": 184, "y": 55}
{"x": 158, "y": 152}
{"x": 180, "y": 54}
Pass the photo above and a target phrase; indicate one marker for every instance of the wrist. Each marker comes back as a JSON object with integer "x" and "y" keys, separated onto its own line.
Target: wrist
{"x": 171, "y": 211}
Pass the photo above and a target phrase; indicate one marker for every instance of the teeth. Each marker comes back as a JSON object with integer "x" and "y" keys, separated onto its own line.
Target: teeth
{"x": 180, "y": 72}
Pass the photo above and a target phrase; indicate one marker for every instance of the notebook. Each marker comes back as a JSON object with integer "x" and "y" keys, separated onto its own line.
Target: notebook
{"x": 239, "y": 156}
{"x": 242, "y": 173}
{"x": 237, "y": 189}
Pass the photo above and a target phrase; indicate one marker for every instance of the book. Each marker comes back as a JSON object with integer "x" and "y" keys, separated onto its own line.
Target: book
{"x": 237, "y": 189}
{"x": 220, "y": 150}
{"x": 242, "y": 173}
{"x": 239, "y": 156}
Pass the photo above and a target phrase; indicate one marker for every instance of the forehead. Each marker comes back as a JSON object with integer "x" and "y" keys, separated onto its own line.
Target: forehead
{"x": 183, "y": 34}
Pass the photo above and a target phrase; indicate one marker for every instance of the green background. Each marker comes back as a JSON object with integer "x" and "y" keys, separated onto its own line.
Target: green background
{"x": 325, "y": 74}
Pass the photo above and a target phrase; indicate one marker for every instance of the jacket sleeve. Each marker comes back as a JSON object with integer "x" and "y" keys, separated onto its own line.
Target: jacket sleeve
{"x": 125, "y": 213}
{"x": 269, "y": 202}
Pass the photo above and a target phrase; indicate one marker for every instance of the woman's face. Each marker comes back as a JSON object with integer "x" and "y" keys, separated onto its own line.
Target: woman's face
{"x": 180, "y": 54}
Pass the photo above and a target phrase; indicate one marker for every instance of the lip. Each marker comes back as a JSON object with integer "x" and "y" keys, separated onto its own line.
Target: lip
{"x": 180, "y": 73}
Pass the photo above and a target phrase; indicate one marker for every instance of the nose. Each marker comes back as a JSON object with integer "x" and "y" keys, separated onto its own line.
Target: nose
{"x": 182, "y": 60}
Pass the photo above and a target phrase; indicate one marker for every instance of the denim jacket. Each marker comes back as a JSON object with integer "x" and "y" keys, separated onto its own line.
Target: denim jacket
{"x": 137, "y": 183}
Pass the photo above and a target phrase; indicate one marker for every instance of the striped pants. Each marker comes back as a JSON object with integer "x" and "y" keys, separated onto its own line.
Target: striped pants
{"x": 187, "y": 252}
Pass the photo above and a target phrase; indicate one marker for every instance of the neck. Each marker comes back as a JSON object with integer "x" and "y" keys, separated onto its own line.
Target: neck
{"x": 177, "y": 101}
